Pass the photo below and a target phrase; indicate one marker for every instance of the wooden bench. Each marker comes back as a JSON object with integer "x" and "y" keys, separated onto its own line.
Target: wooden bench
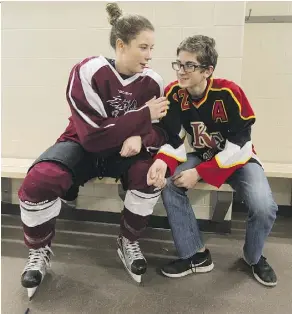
{"x": 220, "y": 199}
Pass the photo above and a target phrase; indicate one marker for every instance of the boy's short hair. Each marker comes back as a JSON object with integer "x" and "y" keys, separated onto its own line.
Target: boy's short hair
{"x": 203, "y": 47}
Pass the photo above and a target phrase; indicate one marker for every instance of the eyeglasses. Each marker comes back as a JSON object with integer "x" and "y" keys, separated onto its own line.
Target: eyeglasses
{"x": 189, "y": 67}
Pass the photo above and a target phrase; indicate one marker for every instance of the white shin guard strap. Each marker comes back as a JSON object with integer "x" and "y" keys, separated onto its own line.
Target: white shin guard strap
{"x": 36, "y": 214}
{"x": 141, "y": 203}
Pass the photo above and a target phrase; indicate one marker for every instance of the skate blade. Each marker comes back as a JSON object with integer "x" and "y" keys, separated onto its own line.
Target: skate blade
{"x": 31, "y": 292}
{"x": 137, "y": 278}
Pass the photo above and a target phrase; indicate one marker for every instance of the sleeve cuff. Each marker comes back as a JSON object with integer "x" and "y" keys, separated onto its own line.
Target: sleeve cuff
{"x": 171, "y": 162}
{"x": 212, "y": 174}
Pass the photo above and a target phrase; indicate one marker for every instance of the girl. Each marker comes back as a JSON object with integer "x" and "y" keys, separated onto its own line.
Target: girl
{"x": 110, "y": 133}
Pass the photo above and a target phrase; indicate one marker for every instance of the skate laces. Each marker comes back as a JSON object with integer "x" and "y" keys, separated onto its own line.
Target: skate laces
{"x": 133, "y": 249}
{"x": 37, "y": 258}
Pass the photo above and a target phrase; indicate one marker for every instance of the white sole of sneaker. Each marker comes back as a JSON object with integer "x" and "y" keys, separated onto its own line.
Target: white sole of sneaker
{"x": 137, "y": 278}
{"x": 268, "y": 284}
{"x": 195, "y": 270}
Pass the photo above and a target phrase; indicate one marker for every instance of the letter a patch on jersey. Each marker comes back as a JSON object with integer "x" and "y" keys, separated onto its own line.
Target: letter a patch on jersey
{"x": 219, "y": 113}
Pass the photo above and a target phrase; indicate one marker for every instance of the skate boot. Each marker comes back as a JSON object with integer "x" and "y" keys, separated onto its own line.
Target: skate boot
{"x": 132, "y": 258}
{"x": 35, "y": 269}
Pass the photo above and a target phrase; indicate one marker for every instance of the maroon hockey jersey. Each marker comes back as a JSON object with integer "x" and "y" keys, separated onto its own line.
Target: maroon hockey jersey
{"x": 218, "y": 127}
{"x": 108, "y": 108}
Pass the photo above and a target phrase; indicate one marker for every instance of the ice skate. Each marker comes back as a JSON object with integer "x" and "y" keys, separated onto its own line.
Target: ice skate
{"x": 35, "y": 269}
{"x": 132, "y": 258}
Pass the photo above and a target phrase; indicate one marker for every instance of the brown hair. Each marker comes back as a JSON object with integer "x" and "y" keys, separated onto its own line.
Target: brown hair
{"x": 203, "y": 47}
{"x": 125, "y": 27}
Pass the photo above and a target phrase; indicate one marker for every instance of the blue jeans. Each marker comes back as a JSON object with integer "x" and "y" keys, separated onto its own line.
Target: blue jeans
{"x": 252, "y": 186}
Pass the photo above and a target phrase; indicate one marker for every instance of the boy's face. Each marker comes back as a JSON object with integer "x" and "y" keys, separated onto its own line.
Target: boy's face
{"x": 191, "y": 75}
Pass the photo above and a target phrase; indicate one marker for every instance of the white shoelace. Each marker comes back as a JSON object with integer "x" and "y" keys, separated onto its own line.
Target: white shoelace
{"x": 133, "y": 249}
{"x": 37, "y": 258}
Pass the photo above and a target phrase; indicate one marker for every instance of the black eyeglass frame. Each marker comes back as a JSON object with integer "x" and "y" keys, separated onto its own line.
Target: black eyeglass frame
{"x": 191, "y": 66}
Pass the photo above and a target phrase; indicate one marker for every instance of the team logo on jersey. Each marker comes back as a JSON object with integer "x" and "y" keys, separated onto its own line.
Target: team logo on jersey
{"x": 219, "y": 113}
{"x": 124, "y": 92}
{"x": 122, "y": 105}
{"x": 203, "y": 139}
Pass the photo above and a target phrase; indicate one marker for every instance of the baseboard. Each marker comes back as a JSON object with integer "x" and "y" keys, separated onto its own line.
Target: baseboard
{"x": 283, "y": 210}
{"x": 114, "y": 218}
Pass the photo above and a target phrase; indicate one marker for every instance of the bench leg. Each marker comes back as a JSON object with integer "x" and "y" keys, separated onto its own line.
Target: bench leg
{"x": 6, "y": 190}
{"x": 291, "y": 194}
{"x": 122, "y": 192}
{"x": 220, "y": 203}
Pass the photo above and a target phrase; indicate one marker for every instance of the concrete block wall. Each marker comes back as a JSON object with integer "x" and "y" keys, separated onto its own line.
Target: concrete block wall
{"x": 41, "y": 42}
{"x": 269, "y": 8}
{"x": 267, "y": 81}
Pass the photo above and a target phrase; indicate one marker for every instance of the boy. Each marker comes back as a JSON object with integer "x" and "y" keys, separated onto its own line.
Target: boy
{"x": 217, "y": 117}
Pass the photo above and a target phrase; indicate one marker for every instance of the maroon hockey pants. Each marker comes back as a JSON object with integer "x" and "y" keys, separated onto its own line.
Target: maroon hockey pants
{"x": 47, "y": 182}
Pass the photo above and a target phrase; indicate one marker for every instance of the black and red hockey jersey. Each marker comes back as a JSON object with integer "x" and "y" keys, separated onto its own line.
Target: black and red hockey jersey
{"x": 218, "y": 127}
{"x": 108, "y": 108}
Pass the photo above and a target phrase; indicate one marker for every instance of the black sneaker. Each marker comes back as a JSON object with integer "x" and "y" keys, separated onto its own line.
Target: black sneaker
{"x": 264, "y": 273}
{"x": 199, "y": 263}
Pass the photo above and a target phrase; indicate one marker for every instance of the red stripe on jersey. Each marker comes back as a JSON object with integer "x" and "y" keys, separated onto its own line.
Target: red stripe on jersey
{"x": 169, "y": 87}
{"x": 245, "y": 110}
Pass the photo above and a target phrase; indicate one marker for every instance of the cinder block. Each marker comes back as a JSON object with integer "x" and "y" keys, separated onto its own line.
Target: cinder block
{"x": 193, "y": 12}
{"x": 268, "y": 8}
{"x": 100, "y": 204}
{"x": 54, "y": 15}
{"x": 229, "y": 13}
{"x": 230, "y": 69}
{"x": 167, "y": 40}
